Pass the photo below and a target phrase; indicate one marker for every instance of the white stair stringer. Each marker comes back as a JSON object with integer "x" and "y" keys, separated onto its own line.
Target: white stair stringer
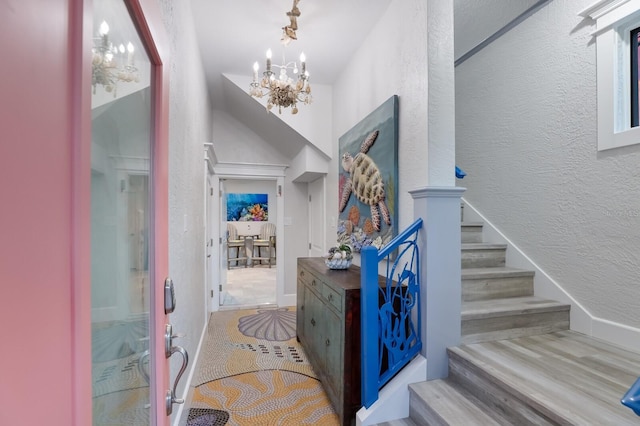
{"x": 393, "y": 400}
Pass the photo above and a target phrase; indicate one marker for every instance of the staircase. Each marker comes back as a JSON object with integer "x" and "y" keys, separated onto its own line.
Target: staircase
{"x": 519, "y": 364}
{"x": 498, "y": 302}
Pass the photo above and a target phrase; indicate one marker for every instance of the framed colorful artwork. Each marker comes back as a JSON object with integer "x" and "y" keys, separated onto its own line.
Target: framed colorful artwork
{"x": 368, "y": 179}
{"x": 247, "y": 207}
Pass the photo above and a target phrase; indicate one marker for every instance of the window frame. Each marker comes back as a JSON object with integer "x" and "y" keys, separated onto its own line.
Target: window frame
{"x": 615, "y": 19}
{"x": 634, "y": 56}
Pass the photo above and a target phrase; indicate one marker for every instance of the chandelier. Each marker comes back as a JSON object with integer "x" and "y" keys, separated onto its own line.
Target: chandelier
{"x": 111, "y": 64}
{"x": 281, "y": 90}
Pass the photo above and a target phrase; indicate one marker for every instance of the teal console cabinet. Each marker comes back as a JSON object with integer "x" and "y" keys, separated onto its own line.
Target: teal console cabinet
{"x": 328, "y": 328}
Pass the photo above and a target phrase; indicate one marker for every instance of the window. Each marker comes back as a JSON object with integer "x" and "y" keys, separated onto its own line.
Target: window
{"x": 634, "y": 94}
{"x": 617, "y": 41}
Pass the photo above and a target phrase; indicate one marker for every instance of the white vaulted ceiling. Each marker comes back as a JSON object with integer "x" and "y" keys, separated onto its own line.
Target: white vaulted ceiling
{"x": 233, "y": 34}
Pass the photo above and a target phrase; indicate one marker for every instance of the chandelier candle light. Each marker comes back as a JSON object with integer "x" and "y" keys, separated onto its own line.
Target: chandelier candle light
{"x": 106, "y": 70}
{"x": 282, "y": 91}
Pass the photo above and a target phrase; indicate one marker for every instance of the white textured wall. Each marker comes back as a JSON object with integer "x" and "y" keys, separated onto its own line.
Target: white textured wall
{"x": 392, "y": 60}
{"x": 526, "y": 136}
{"x": 313, "y": 122}
{"x": 308, "y": 165}
{"x": 475, "y": 20}
{"x": 236, "y": 143}
{"x": 189, "y": 128}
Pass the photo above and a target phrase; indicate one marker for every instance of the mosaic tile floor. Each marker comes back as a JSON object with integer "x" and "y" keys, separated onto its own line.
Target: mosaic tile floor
{"x": 120, "y": 392}
{"x": 252, "y": 367}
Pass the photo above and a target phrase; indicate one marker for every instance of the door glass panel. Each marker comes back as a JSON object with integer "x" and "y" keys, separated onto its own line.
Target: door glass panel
{"x": 120, "y": 218}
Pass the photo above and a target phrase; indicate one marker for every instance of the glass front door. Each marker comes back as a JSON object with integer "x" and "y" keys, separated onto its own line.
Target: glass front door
{"x": 120, "y": 218}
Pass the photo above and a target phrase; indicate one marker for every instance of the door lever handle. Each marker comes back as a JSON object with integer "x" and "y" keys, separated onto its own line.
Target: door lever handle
{"x": 170, "y": 397}
{"x": 141, "y": 368}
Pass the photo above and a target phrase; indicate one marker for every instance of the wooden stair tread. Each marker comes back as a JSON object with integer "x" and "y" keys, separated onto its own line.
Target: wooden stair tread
{"x": 514, "y": 305}
{"x": 449, "y": 405}
{"x": 495, "y": 272}
{"x": 483, "y": 246}
{"x": 567, "y": 377}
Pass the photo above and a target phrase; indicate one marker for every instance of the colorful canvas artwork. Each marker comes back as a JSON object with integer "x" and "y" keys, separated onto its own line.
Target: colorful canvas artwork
{"x": 247, "y": 207}
{"x": 368, "y": 179}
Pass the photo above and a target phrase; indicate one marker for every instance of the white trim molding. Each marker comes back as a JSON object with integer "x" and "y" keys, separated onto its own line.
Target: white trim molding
{"x": 603, "y": 9}
{"x": 250, "y": 169}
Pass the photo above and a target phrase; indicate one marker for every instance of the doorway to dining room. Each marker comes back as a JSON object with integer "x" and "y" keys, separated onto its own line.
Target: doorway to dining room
{"x": 248, "y": 225}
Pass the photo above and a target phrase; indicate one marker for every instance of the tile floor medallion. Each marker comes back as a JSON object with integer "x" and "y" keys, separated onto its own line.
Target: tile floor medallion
{"x": 252, "y": 367}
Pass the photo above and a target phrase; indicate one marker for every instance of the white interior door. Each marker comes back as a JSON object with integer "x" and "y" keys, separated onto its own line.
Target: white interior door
{"x": 209, "y": 227}
{"x": 223, "y": 240}
{"x": 317, "y": 216}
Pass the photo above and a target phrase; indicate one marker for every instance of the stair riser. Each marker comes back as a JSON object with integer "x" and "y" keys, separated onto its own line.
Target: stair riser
{"x": 471, "y": 234}
{"x": 421, "y": 414}
{"x": 509, "y": 404}
{"x": 483, "y": 258}
{"x": 496, "y": 288}
{"x": 513, "y": 326}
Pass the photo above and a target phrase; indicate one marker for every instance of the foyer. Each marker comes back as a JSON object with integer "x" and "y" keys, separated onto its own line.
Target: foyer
{"x": 521, "y": 116}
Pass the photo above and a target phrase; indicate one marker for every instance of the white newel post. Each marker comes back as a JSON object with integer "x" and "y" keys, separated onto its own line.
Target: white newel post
{"x": 439, "y": 242}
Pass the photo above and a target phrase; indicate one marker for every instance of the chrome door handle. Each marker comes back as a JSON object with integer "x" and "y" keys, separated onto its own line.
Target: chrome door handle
{"x": 170, "y": 397}
{"x": 169, "y": 350}
{"x": 144, "y": 373}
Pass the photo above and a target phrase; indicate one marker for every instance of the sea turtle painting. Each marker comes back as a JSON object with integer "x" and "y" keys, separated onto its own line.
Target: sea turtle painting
{"x": 365, "y": 182}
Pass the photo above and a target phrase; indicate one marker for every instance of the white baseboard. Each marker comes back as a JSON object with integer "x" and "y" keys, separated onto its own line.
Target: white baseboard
{"x": 287, "y": 300}
{"x": 616, "y": 333}
{"x": 188, "y": 389}
{"x": 581, "y": 320}
{"x": 393, "y": 400}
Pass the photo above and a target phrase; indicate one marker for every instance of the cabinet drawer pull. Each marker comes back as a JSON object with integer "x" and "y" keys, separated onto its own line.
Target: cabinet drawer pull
{"x": 330, "y": 297}
{"x": 302, "y": 308}
{"x": 313, "y": 322}
{"x": 313, "y": 283}
{"x": 328, "y": 342}
{"x": 302, "y": 273}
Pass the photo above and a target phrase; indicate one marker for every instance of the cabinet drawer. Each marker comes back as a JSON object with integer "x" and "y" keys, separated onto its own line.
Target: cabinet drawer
{"x": 333, "y": 297}
{"x": 305, "y": 276}
{"x": 311, "y": 280}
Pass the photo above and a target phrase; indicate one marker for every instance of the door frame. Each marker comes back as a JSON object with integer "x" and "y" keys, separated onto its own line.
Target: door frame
{"x": 211, "y": 248}
{"x": 239, "y": 171}
{"x": 223, "y": 254}
{"x": 322, "y": 180}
